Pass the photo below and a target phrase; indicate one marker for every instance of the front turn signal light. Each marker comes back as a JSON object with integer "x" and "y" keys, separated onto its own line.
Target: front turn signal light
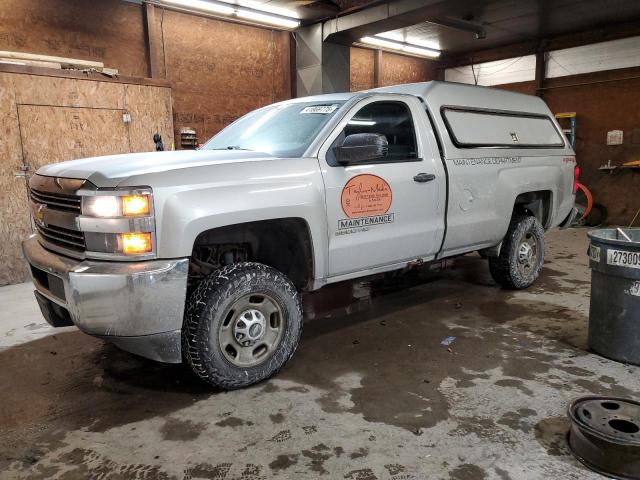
{"x": 136, "y": 243}
{"x": 135, "y": 205}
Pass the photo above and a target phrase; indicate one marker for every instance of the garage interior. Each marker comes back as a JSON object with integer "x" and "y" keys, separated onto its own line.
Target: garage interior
{"x": 437, "y": 373}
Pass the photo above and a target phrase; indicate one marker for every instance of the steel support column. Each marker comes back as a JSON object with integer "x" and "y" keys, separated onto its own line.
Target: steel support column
{"x": 321, "y": 66}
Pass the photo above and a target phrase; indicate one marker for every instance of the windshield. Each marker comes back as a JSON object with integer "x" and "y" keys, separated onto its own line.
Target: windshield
{"x": 281, "y": 130}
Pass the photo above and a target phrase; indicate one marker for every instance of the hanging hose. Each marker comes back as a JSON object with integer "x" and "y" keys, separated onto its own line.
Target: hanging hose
{"x": 589, "y": 197}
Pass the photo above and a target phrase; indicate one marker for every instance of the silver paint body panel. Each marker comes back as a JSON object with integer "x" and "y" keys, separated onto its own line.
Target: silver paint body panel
{"x": 466, "y": 207}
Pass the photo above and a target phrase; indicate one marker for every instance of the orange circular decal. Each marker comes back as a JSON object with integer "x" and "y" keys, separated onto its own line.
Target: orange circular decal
{"x": 366, "y": 195}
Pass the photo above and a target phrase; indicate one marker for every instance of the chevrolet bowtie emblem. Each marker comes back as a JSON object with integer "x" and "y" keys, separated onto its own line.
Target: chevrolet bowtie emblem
{"x": 39, "y": 213}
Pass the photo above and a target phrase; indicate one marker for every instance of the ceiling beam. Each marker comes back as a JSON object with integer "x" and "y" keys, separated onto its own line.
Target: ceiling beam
{"x": 392, "y": 15}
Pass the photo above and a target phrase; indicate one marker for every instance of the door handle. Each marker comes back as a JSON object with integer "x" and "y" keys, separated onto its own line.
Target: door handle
{"x": 424, "y": 177}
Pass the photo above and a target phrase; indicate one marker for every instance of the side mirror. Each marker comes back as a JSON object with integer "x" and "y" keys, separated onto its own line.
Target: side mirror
{"x": 362, "y": 148}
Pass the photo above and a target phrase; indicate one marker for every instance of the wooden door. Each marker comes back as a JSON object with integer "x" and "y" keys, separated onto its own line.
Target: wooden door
{"x": 52, "y": 134}
{"x": 14, "y": 211}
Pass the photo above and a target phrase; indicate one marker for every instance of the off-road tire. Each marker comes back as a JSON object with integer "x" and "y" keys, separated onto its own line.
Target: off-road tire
{"x": 504, "y": 268}
{"x": 206, "y": 308}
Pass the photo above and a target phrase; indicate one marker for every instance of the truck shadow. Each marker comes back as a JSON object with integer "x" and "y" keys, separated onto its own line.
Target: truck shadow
{"x": 390, "y": 333}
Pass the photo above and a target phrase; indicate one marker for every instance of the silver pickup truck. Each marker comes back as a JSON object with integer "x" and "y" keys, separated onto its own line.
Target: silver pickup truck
{"x": 200, "y": 256}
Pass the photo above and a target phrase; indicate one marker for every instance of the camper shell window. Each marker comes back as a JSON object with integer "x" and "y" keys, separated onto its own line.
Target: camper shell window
{"x": 470, "y": 127}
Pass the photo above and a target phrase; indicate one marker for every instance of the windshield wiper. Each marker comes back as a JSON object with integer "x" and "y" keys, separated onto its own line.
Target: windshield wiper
{"x": 233, "y": 147}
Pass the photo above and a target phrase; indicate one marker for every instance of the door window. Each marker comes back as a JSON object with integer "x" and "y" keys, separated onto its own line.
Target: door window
{"x": 391, "y": 119}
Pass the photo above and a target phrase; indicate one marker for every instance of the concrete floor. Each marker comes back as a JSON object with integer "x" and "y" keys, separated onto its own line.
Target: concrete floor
{"x": 371, "y": 395}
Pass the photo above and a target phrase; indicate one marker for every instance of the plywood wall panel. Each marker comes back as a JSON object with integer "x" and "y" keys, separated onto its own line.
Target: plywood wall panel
{"x": 109, "y": 31}
{"x": 601, "y": 107}
{"x": 14, "y": 218}
{"x": 46, "y": 119}
{"x": 397, "y": 69}
{"x": 219, "y": 70}
{"x": 362, "y": 69}
{"x": 68, "y": 92}
{"x": 150, "y": 110}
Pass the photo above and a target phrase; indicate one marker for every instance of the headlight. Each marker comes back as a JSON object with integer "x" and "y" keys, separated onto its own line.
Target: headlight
{"x": 118, "y": 224}
{"x": 112, "y": 206}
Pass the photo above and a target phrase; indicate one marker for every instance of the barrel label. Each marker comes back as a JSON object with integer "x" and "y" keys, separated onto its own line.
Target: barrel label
{"x": 634, "y": 290}
{"x": 623, "y": 258}
{"x": 594, "y": 253}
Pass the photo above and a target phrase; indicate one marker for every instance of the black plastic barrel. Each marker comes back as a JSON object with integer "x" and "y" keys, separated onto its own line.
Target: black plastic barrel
{"x": 614, "y": 316}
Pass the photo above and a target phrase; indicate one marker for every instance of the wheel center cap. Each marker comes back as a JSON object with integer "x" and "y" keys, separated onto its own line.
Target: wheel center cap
{"x": 249, "y": 327}
{"x": 525, "y": 253}
{"x": 255, "y": 330}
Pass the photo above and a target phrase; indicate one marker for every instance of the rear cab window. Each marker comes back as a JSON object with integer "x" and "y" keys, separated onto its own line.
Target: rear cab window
{"x": 477, "y": 128}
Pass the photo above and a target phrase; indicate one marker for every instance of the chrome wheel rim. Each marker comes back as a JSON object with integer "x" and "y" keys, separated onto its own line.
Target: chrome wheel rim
{"x": 251, "y": 330}
{"x": 527, "y": 258}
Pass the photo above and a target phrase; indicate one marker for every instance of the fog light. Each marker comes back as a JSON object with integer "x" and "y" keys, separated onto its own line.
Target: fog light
{"x": 136, "y": 243}
{"x": 135, "y": 205}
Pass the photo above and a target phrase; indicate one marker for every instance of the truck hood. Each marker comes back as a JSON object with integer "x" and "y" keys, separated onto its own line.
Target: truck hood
{"x": 108, "y": 171}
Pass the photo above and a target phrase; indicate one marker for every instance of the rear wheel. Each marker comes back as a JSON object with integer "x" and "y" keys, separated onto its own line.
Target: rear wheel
{"x": 242, "y": 324}
{"x": 522, "y": 254}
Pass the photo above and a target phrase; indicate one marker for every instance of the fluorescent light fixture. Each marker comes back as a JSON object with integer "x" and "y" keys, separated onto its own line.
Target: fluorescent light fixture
{"x": 401, "y": 47}
{"x": 266, "y": 18}
{"x": 266, "y": 7}
{"x": 364, "y": 123}
{"x": 252, "y": 15}
{"x": 399, "y": 36}
{"x": 203, "y": 5}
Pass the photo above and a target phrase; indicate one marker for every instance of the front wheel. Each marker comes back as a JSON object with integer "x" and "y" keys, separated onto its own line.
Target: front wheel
{"x": 522, "y": 254}
{"x": 242, "y": 324}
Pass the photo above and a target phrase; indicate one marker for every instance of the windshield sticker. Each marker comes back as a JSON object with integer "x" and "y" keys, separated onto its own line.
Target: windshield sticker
{"x": 366, "y": 200}
{"x": 321, "y": 109}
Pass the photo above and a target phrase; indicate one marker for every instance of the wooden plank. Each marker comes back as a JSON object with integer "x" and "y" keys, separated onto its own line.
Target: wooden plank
{"x": 540, "y": 72}
{"x": 55, "y": 134}
{"x": 377, "y": 68}
{"x": 15, "y": 224}
{"x": 67, "y": 92}
{"x": 151, "y": 113}
{"x": 90, "y": 76}
{"x": 153, "y": 39}
{"x": 64, "y": 61}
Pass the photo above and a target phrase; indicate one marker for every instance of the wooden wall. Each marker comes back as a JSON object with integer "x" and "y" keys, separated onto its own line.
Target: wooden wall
{"x": 394, "y": 69}
{"x": 220, "y": 70}
{"x": 362, "y": 74}
{"x": 603, "y": 101}
{"x": 46, "y": 119}
{"x": 109, "y": 31}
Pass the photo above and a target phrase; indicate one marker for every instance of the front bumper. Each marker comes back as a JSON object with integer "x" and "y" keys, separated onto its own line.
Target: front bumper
{"x": 136, "y": 305}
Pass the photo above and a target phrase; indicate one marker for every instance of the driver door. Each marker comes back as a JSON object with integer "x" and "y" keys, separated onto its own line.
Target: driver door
{"x": 386, "y": 212}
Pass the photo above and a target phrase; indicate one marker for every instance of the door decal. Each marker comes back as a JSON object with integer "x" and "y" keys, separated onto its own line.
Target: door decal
{"x": 366, "y": 200}
{"x": 366, "y": 195}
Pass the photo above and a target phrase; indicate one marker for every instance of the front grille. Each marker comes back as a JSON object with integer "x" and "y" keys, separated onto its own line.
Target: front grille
{"x": 63, "y": 237}
{"x": 57, "y": 201}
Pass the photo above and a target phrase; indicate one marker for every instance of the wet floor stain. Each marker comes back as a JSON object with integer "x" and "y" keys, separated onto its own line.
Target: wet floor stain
{"x": 467, "y": 471}
{"x": 385, "y": 365}
{"x": 233, "y": 422}
{"x": 181, "y": 430}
